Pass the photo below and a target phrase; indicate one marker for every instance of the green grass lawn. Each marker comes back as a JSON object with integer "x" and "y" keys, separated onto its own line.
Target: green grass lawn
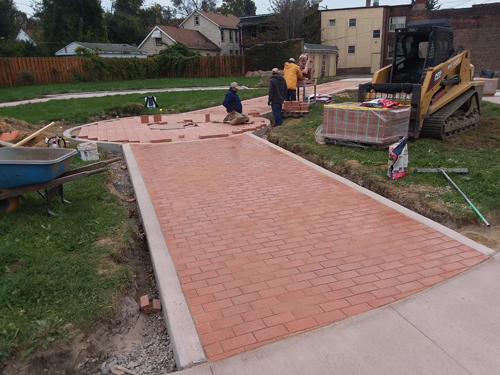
{"x": 79, "y": 110}
{"x": 8, "y": 94}
{"x": 59, "y": 274}
{"x": 478, "y": 150}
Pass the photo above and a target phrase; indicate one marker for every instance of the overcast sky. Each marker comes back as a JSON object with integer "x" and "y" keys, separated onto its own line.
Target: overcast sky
{"x": 263, "y": 5}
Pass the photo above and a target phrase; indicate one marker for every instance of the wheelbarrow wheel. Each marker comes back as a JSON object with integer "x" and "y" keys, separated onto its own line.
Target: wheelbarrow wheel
{"x": 9, "y": 204}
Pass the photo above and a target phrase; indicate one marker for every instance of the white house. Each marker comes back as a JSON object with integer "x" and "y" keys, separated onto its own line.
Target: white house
{"x": 24, "y": 37}
{"x": 104, "y": 50}
{"x": 221, "y": 29}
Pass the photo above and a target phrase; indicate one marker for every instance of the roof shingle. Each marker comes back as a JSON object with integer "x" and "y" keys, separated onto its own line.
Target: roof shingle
{"x": 228, "y": 20}
{"x": 191, "y": 38}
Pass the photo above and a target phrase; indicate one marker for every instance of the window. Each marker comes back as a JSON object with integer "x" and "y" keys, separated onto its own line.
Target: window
{"x": 236, "y": 52}
{"x": 390, "y": 52}
{"x": 376, "y": 34}
{"x": 230, "y": 36}
{"x": 158, "y": 41}
{"x": 197, "y": 20}
{"x": 236, "y": 36}
{"x": 253, "y": 32}
{"x": 352, "y": 22}
{"x": 351, "y": 49}
{"x": 397, "y": 23}
{"x": 222, "y": 35}
{"x": 332, "y": 23}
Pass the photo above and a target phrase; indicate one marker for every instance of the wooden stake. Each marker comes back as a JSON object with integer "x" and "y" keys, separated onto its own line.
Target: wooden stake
{"x": 25, "y": 140}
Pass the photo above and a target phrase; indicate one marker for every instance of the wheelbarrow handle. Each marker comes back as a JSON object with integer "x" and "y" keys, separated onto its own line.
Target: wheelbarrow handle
{"x": 90, "y": 167}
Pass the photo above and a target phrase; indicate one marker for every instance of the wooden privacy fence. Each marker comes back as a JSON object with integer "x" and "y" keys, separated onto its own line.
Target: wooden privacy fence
{"x": 17, "y": 71}
{"x": 44, "y": 69}
{"x": 216, "y": 66}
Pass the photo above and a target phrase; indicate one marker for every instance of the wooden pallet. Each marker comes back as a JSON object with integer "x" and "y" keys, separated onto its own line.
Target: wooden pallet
{"x": 295, "y": 114}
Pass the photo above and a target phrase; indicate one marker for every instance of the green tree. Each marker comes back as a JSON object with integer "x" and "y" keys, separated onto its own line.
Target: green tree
{"x": 432, "y": 5}
{"x": 66, "y": 21}
{"x": 238, "y": 7}
{"x": 127, "y": 6}
{"x": 156, "y": 15}
{"x": 124, "y": 28}
{"x": 310, "y": 28}
{"x": 288, "y": 16}
{"x": 8, "y": 13}
{"x": 186, "y": 7}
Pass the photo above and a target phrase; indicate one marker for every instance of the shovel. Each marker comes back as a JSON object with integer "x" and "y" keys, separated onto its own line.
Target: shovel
{"x": 455, "y": 170}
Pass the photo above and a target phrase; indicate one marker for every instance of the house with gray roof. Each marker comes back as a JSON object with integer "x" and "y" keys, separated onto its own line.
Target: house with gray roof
{"x": 104, "y": 50}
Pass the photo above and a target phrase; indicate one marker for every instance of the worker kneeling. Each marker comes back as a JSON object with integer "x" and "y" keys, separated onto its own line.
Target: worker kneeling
{"x": 232, "y": 103}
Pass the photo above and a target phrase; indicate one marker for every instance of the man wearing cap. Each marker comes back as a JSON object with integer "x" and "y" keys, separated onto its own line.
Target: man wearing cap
{"x": 277, "y": 94}
{"x": 292, "y": 73}
{"x": 232, "y": 103}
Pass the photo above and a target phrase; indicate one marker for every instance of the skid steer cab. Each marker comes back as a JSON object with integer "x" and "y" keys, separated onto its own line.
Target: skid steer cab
{"x": 430, "y": 75}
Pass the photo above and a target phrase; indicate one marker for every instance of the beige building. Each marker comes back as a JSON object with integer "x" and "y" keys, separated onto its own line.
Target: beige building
{"x": 357, "y": 33}
{"x": 220, "y": 29}
{"x": 161, "y": 36}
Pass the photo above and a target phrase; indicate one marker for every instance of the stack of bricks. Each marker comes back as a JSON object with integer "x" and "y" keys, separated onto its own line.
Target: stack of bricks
{"x": 295, "y": 106}
{"x": 295, "y": 109}
{"x": 351, "y": 122}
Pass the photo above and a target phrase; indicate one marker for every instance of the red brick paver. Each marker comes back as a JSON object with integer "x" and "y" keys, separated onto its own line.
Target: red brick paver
{"x": 266, "y": 247}
{"x": 208, "y": 122}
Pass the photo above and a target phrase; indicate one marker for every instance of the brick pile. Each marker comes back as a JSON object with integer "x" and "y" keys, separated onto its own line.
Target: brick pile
{"x": 295, "y": 106}
{"x": 378, "y": 126}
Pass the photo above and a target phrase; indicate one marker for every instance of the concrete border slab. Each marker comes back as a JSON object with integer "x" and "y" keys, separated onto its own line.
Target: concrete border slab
{"x": 186, "y": 344}
{"x": 422, "y": 219}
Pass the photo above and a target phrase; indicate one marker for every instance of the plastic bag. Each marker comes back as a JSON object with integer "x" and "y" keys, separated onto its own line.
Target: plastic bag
{"x": 398, "y": 159}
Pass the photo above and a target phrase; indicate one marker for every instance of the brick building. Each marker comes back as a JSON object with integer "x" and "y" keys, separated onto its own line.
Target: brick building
{"x": 475, "y": 29}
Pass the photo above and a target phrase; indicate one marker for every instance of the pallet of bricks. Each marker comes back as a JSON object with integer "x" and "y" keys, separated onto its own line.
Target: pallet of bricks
{"x": 294, "y": 109}
{"x": 353, "y": 124}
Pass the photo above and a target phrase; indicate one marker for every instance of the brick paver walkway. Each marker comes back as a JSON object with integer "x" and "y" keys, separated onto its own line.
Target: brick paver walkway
{"x": 131, "y": 130}
{"x": 266, "y": 247}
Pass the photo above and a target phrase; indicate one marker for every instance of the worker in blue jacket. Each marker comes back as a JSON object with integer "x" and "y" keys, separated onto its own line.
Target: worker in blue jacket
{"x": 232, "y": 103}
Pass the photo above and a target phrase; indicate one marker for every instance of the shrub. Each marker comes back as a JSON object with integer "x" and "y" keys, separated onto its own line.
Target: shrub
{"x": 25, "y": 77}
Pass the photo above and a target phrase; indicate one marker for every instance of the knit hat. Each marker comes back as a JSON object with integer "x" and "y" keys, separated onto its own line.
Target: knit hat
{"x": 275, "y": 71}
{"x": 291, "y": 59}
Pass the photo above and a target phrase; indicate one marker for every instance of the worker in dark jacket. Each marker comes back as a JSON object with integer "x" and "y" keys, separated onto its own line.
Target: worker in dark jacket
{"x": 232, "y": 103}
{"x": 277, "y": 95}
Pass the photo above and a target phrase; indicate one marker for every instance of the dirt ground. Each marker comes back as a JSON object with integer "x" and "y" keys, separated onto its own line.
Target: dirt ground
{"x": 25, "y": 129}
{"x": 84, "y": 353}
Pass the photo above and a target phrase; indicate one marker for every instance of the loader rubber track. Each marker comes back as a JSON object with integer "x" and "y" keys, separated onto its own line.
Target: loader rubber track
{"x": 434, "y": 127}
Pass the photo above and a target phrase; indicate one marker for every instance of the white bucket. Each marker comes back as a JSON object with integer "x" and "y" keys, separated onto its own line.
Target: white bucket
{"x": 88, "y": 151}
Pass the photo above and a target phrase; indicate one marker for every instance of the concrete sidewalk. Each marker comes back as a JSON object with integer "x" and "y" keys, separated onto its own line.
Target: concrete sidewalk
{"x": 95, "y": 94}
{"x": 451, "y": 328}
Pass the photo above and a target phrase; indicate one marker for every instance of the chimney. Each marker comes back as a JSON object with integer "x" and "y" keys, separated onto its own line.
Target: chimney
{"x": 419, "y": 5}
{"x": 204, "y": 6}
{"x": 368, "y": 3}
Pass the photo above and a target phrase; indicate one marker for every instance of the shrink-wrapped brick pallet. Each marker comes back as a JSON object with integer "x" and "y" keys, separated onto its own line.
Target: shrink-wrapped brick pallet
{"x": 350, "y": 122}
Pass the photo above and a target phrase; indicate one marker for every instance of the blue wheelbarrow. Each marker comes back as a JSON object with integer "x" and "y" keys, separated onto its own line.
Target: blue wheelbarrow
{"x": 44, "y": 170}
